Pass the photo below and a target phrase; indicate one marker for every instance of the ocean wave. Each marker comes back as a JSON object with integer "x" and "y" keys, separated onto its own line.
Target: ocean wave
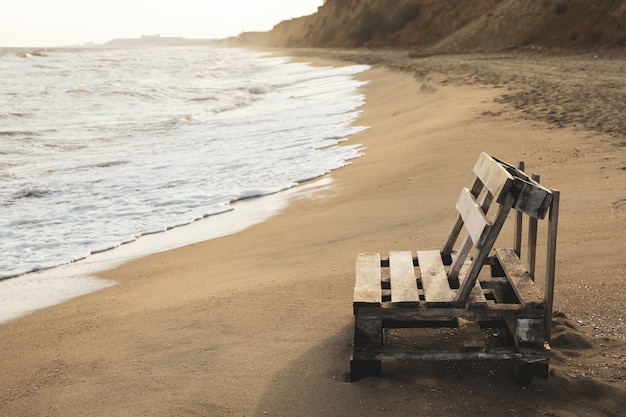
{"x": 134, "y": 94}
{"x": 78, "y": 90}
{"x": 31, "y": 192}
{"x": 18, "y": 133}
{"x": 34, "y": 53}
{"x": 206, "y": 98}
{"x": 259, "y": 89}
{"x": 13, "y": 114}
{"x": 110, "y": 164}
{"x": 116, "y": 154}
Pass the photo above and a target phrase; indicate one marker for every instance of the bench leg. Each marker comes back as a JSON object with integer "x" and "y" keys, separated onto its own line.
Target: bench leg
{"x": 361, "y": 368}
{"x": 368, "y": 338}
{"x": 368, "y": 329}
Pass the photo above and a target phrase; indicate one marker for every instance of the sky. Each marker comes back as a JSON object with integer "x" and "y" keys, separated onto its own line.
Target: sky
{"x": 45, "y": 23}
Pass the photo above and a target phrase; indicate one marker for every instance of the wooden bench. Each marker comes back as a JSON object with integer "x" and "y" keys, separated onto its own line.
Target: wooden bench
{"x": 485, "y": 298}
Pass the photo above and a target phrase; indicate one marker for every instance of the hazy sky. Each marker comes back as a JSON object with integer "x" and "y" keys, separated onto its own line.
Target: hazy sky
{"x": 69, "y": 22}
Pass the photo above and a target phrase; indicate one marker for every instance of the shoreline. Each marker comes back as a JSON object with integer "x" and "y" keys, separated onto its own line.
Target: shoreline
{"x": 23, "y": 294}
{"x": 88, "y": 220}
{"x": 259, "y": 322}
{"x": 32, "y": 290}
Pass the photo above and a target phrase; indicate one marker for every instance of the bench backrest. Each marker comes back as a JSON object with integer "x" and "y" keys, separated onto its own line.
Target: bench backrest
{"x": 504, "y": 187}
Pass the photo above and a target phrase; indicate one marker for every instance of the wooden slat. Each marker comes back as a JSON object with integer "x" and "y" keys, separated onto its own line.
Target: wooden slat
{"x": 466, "y": 245}
{"x": 493, "y": 311}
{"x": 465, "y": 289}
{"x": 517, "y": 240}
{"x": 367, "y": 287}
{"x": 532, "y": 240}
{"x": 434, "y": 279}
{"x": 521, "y": 282}
{"x": 553, "y": 224}
{"x": 532, "y": 247}
{"x": 477, "y": 296}
{"x": 533, "y": 199}
{"x": 458, "y": 225}
{"x": 493, "y": 175}
{"x": 473, "y": 339}
{"x": 535, "y": 356}
{"x": 474, "y": 218}
{"x": 402, "y": 278}
{"x": 526, "y": 332}
{"x": 517, "y": 233}
{"x": 459, "y": 258}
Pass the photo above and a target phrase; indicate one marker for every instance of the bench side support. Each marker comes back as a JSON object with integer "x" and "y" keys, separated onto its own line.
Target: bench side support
{"x": 553, "y": 223}
{"x": 532, "y": 240}
{"x": 517, "y": 243}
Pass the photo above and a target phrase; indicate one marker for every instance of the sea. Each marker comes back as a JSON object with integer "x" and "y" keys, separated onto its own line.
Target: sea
{"x": 101, "y": 148}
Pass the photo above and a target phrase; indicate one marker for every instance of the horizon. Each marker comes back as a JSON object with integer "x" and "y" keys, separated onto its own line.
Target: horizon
{"x": 38, "y": 24}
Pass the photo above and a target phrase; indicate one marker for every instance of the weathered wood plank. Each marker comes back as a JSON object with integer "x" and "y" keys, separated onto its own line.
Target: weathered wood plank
{"x": 434, "y": 279}
{"x": 474, "y": 218}
{"x": 533, "y": 199}
{"x": 368, "y": 329}
{"x": 458, "y": 225}
{"x": 495, "y": 311}
{"x": 527, "y": 332}
{"x": 460, "y": 257}
{"x": 473, "y": 339}
{"x": 466, "y": 245}
{"x": 521, "y": 282}
{"x": 477, "y": 296}
{"x": 517, "y": 239}
{"x": 532, "y": 241}
{"x": 540, "y": 355}
{"x": 402, "y": 278}
{"x": 553, "y": 224}
{"x": 367, "y": 288}
{"x": 493, "y": 175}
{"x": 463, "y": 293}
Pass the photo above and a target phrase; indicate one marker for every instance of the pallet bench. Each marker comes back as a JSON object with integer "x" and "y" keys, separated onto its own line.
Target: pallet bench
{"x": 485, "y": 298}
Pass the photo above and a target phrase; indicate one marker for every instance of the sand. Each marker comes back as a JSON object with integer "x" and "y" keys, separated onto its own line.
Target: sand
{"x": 258, "y": 323}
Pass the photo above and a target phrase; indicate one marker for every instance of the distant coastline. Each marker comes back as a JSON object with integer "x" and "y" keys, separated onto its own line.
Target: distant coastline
{"x": 155, "y": 41}
{"x": 145, "y": 41}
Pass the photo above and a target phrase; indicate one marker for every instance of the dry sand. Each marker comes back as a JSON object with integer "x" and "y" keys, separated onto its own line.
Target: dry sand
{"x": 259, "y": 323}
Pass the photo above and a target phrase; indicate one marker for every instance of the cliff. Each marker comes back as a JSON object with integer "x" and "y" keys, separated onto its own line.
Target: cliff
{"x": 452, "y": 26}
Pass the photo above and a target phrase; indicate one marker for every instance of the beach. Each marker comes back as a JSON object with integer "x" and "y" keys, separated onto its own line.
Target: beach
{"x": 260, "y": 322}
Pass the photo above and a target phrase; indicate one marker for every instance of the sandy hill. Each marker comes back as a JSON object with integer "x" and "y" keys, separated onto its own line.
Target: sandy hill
{"x": 452, "y": 25}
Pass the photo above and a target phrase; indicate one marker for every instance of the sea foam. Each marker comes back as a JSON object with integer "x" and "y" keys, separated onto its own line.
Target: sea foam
{"x": 101, "y": 146}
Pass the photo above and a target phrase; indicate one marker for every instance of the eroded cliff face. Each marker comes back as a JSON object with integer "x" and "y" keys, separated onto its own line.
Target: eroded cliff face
{"x": 453, "y": 25}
